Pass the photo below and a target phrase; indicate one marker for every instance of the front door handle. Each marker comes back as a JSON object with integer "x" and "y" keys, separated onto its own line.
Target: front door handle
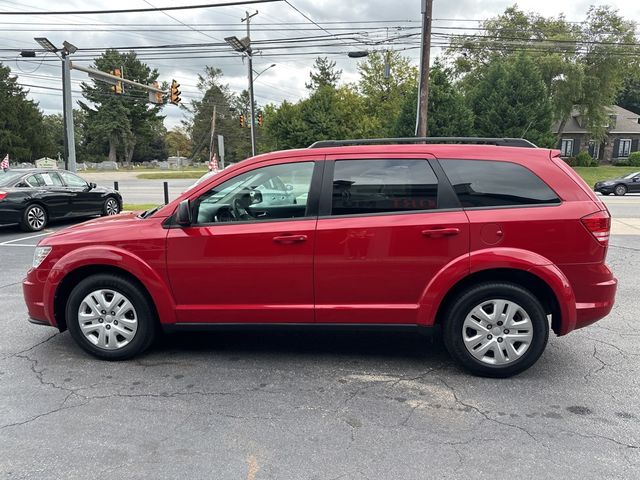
{"x": 289, "y": 238}
{"x": 441, "y": 232}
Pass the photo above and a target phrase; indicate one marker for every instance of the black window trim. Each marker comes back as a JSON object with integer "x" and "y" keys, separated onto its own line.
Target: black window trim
{"x": 311, "y": 212}
{"x": 530, "y": 205}
{"x": 447, "y": 200}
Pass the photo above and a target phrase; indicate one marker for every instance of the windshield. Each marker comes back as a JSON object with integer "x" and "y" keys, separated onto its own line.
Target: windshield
{"x": 9, "y": 177}
{"x": 631, "y": 175}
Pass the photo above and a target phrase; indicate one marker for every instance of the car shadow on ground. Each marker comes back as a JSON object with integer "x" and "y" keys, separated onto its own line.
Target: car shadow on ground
{"x": 365, "y": 344}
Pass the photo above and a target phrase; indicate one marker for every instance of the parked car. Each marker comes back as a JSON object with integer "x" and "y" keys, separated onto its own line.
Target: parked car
{"x": 486, "y": 242}
{"x": 620, "y": 186}
{"x": 34, "y": 197}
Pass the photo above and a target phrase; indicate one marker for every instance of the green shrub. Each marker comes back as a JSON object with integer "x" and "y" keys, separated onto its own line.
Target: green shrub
{"x": 621, "y": 163}
{"x": 583, "y": 159}
{"x": 571, "y": 161}
{"x": 634, "y": 159}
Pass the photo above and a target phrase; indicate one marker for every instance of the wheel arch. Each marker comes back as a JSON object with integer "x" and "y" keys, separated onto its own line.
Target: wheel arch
{"x": 538, "y": 287}
{"x": 81, "y": 263}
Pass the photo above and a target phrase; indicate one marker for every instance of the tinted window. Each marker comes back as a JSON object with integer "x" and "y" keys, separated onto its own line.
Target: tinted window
{"x": 49, "y": 179}
{"x": 480, "y": 183}
{"x": 379, "y": 186}
{"x": 73, "y": 180}
{"x": 34, "y": 180}
{"x": 268, "y": 193}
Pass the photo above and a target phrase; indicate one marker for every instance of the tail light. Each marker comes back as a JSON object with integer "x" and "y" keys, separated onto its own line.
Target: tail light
{"x": 599, "y": 224}
{"x": 2, "y": 195}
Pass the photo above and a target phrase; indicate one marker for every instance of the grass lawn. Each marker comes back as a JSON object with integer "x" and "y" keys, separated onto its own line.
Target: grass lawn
{"x": 171, "y": 175}
{"x": 591, "y": 175}
{"x": 134, "y": 207}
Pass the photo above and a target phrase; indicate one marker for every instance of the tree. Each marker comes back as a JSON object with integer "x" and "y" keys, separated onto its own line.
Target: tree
{"x": 581, "y": 63}
{"x": 629, "y": 96}
{"x": 386, "y": 80}
{"x": 448, "y": 114}
{"x": 228, "y": 107}
{"x": 509, "y": 99}
{"x": 324, "y": 74}
{"x": 178, "y": 142}
{"x": 21, "y": 122}
{"x": 117, "y": 123}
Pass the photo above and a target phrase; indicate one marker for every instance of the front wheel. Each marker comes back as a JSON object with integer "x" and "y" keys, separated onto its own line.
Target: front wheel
{"x": 496, "y": 329}
{"x": 111, "y": 207}
{"x": 110, "y": 317}
{"x": 34, "y": 218}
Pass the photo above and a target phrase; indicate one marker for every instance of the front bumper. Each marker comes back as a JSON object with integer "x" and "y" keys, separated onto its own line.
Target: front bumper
{"x": 605, "y": 189}
{"x": 33, "y": 291}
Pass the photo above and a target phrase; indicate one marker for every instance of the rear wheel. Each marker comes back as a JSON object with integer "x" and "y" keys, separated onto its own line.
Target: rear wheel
{"x": 496, "y": 329}
{"x": 111, "y": 207}
{"x": 34, "y": 218}
{"x": 620, "y": 190}
{"x": 110, "y": 317}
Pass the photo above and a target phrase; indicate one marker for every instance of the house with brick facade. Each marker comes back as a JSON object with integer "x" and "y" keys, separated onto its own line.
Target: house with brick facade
{"x": 623, "y": 136}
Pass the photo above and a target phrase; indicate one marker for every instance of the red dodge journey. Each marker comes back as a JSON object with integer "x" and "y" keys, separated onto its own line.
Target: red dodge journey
{"x": 493, "y": 241}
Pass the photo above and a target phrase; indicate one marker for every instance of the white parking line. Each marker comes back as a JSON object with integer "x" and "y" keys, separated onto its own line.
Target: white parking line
{"x": 12, "y": 242}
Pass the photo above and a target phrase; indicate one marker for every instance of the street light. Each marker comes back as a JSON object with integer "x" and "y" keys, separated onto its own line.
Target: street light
{"x": 258, "y": 74}
{"x": 67, "y": 106}
{"x": 358, "y": 54}
{"x": 244, "y": 46}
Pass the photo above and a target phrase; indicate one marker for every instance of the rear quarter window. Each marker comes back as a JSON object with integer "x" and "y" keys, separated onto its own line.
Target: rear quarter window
{"x": 487, "y": 183}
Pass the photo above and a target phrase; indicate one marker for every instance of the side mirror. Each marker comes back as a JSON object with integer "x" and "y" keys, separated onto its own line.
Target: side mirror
{"x": 92, "y": 185}
{"x": 183, "y": 217}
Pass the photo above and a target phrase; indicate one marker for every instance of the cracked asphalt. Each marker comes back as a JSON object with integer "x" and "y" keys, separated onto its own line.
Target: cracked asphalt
{"x": 281, "y": 405}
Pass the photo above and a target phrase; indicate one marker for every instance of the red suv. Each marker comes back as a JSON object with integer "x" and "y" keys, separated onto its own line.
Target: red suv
{"x": 494, "y": 244}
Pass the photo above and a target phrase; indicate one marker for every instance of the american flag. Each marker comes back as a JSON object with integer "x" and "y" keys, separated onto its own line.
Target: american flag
{"x": 213, "y": 164}
{"x": 5, "y": 163}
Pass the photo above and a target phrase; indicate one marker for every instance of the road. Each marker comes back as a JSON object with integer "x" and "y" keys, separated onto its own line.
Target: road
{"x": 315, "y": 406}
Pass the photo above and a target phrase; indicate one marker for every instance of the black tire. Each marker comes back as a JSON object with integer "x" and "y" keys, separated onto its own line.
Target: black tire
{"x": 34, "y": 218}
{"x": 108, "y": 206}
{"x": 463, "y": 305}
{"x": 620, "y": 190}
{"x": 147, "y": 324}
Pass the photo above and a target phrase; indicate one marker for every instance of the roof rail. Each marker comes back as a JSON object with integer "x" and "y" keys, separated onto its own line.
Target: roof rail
{"x": 502, "y": 142}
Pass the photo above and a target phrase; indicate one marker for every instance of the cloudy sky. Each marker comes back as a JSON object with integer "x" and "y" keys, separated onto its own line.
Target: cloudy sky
{"x": 330, "y": 28}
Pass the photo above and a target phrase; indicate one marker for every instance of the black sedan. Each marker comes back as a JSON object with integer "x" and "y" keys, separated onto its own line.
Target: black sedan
{"x": 620, "y": 186}
{"x": 31, "y": 198}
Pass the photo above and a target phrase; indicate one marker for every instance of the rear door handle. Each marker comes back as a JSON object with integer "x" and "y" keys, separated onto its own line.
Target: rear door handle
{"x": 289, "y": 238}
{"x": 441, "y": 232}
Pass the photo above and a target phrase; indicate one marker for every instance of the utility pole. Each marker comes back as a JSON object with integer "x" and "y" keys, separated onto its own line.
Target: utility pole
{"x": 67, "y": 113}
{"x": 250, "y": 73}
{"x": 213, "y": 129}
{"x": 423, "y": 95}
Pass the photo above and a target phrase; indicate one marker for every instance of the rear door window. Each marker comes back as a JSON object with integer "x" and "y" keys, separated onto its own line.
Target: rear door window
{"x": 383, "y": 186}
{"x": 486, "y": 183}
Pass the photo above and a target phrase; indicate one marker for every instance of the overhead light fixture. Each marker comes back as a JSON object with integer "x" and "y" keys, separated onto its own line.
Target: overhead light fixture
{"x": 46, "y": 44}
{"x": 69, "y": 47}
{"x": 239, "y": 45}
{"x": 359, "y": 54}
{"x": 27, "y": 53}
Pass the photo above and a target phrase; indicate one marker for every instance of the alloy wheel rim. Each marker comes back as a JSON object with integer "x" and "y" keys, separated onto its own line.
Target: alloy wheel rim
{"x": 112, "y": 207}
{"x": 107, "y": 319}
{"x": 35, "y": 217}
{"x": 620, "y": 190}
{"x": 497, "y": 332}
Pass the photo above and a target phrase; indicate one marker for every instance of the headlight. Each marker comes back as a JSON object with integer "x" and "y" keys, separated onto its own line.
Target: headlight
{"x": 39, "y": 255}
{"x": 607, "y": 183}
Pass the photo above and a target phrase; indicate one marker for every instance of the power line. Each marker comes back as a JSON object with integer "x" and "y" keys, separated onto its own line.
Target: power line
{"x": 142, "y": 10}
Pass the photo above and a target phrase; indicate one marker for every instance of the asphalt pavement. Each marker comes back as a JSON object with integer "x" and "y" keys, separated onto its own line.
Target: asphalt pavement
{"x": 285, "y": 405}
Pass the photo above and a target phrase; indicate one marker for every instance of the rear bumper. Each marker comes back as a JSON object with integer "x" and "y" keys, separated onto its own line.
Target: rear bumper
{"x": 9, "y": 215}
{"x": 595, "y": 289}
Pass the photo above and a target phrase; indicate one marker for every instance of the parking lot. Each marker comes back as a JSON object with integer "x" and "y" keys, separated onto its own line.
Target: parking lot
{"x": 256, "y": 405}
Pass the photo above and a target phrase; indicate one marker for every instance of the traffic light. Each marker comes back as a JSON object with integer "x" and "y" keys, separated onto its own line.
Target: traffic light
{"x": 117, "y": 88}
{"x": 260, "y": 120}
{"x": 175, "y": 93}
{"x": 242, "y": 120}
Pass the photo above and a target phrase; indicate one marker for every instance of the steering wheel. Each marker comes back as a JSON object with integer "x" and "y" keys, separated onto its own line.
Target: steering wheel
{"x": 238, "y": 211}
